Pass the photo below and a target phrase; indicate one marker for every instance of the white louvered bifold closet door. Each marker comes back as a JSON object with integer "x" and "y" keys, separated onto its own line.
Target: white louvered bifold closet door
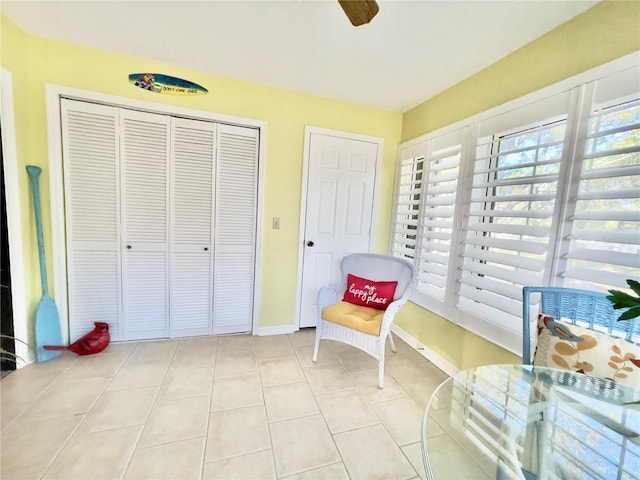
{"x": 92, "y": 199}
{"x": 235, "y": 228}
{"x": 192, "y": 164}
{"x": 145, "y": 196}
{"x": 144, "y": 171}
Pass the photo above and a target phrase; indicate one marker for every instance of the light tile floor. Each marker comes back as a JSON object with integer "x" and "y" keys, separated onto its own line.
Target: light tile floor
{"x": 231, "y": 407}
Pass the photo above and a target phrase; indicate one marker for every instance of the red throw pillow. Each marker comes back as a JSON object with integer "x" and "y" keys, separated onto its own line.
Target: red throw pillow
{"x": 368, "y": 293}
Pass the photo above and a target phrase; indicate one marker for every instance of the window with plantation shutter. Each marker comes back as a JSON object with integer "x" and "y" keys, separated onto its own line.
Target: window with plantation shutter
{"x": 441, "y": 173}
{"x": 508, "y": 224}
{"x": 408, "y": 191}
{"x": 542, "y": 191}
{"x": 604, "y": 240}
{"x": 426, "y": 203}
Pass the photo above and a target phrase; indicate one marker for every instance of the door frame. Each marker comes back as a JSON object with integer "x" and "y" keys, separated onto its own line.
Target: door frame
{"x": 308, "y": 131}
{"x": 12, "y": 182}
{"x": 56, "y": 186}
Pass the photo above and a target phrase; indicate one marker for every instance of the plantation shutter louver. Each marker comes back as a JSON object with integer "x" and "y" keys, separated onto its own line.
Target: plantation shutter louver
{"x": 408, "y": 195}
{"x": 437, "y": 215}
{"x": 92, "y": 198}
{"x": 235, "y": 228}
{"x": 192, "y": 164}
{"x": 510, "y": 210}
{"x": 145, "y": 154}
{"x": 604, "y": 241}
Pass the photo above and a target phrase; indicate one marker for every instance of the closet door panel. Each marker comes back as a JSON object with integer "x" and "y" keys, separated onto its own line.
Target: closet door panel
{"x": 145, "y": 295}
{"x": 92, "y": 216}
{"x": 235, "y": 228}
{"x": 233, "y": 307}
{"x": 145, "y": 156}
{"x": 191, "y": 275}
{"x": 191, "y": 286}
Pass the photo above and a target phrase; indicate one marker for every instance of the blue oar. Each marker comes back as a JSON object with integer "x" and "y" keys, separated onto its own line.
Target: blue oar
{"x": 47, "y": 318}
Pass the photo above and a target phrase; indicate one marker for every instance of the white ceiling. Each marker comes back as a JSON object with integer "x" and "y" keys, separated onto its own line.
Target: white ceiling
{"x": 411, "y": 51}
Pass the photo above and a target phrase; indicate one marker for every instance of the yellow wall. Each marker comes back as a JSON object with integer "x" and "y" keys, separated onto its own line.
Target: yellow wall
{"x": 35, "y": 62}
{"x": 455, "y": 345}
{"x": 603, "y": 33}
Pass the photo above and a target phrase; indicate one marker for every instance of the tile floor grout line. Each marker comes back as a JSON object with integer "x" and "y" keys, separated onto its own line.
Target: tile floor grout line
{"x": 405, "y": 451}
{"x": 39, "y": 395}
{"x": 203, "y": 455}
{"x": 380, "y": 421}
{"x": 319, "y": 412}
{"x": 324, "y": 419}
{"x": 153, "y": 404}
{"x": 84, "y": 416}
{"x": 266, "y": 417}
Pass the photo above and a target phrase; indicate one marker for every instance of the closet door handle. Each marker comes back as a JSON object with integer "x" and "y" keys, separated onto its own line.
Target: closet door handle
{"x": 206, "y": 249}
{"x": 128, "y": 247}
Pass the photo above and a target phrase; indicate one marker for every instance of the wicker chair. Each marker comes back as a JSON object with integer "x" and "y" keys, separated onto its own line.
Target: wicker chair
{"x": 377, "y": 268}
{"x": 589, "y": 309}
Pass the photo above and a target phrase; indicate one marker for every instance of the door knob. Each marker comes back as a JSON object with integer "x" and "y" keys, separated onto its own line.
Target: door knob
{"x": 206, "y": 249}
{"x": 128, "y": 247}
{"x": 310, "y": 243}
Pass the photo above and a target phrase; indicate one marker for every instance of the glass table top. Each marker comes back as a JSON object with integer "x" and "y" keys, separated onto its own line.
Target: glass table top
{"x": 526, "y": 422}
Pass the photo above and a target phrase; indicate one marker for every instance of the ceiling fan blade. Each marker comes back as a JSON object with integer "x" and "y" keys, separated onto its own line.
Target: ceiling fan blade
{"x": 359, "y": 11}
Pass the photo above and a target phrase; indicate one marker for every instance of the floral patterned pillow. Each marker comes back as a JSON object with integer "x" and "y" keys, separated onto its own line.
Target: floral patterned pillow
{"x": 573, "y": 347}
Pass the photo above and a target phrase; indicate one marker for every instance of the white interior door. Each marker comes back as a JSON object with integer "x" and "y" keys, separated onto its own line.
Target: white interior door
{"x": 340, "y": 192}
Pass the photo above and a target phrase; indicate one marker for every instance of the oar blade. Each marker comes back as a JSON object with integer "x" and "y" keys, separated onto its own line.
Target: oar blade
{"x": 47, "y": 329}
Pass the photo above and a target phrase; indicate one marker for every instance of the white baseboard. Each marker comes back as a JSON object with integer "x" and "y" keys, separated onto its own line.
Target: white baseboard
{"x": 277, "y": 330}
{"x": 425, "y": 351}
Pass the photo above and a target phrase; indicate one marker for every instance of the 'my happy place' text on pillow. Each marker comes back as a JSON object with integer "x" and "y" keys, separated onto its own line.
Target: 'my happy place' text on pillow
{"x": 368, "y": 293}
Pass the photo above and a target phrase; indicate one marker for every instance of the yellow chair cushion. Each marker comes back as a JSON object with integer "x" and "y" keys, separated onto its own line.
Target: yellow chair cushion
{"x": 364, "y": 319}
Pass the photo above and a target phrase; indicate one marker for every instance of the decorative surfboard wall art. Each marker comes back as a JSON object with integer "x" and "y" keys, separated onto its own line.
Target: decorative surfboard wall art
{"x": 166, "y": 84}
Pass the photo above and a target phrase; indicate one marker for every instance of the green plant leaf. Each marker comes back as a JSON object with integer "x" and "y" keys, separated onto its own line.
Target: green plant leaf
{"x": 634, "y": 285}
{"x": 631, "y": 313}
{"x": 622, "y": 300}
